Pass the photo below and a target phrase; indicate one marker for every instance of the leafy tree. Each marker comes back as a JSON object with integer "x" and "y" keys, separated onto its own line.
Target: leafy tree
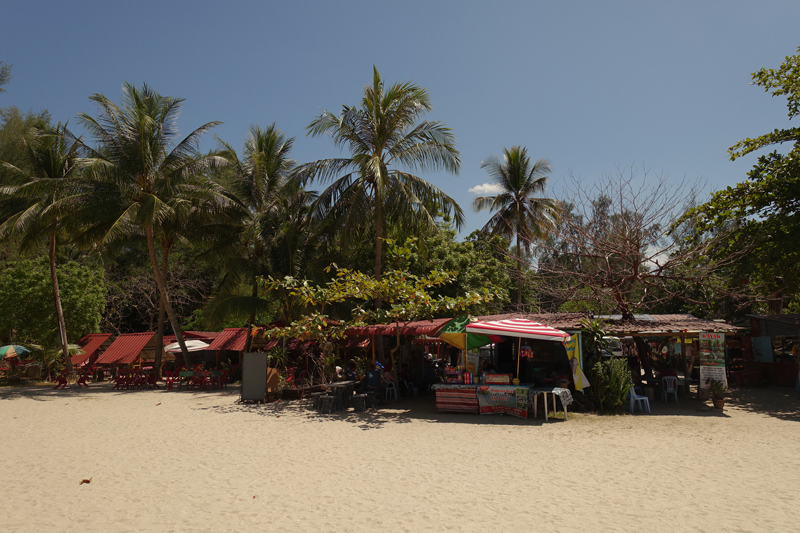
{"x": 382, "y": 134}
{"x": 31, "y": 210}
{"x": 408, "y": 297}
{"x": 5, "y": 74}
{"x": 26, "y": 284}
{"x": 145, "y": 173}
{"x": 762, "y": 214}
{"x": 518, "y": 213}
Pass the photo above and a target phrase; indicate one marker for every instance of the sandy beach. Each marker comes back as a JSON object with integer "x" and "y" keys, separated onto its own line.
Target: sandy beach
{"x": 198, "y": 461}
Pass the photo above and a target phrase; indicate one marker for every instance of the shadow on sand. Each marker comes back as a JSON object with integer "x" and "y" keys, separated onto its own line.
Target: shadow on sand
{"x": 776, "y": 402}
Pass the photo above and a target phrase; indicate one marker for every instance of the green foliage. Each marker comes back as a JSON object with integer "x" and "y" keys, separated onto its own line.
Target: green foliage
{"x": 406, "y": 297}
{"x": 762, "y": 213}
{"x": 5, "y": 74}
{"x": 370, "y": 188}
{"x": 518, "y": 211}
{"x": 16, "y": 128}
{"x": 592, "y": 340}
{"x": 611, "y": 381}
{"x": 716, "y": 388}
{"x": 27, "y": 312}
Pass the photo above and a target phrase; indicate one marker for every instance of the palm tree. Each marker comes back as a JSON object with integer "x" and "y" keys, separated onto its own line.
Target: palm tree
{"x": 518, "y": 213}
{"x": 383, "y": 133}
{"x": 145, "y": 175}
{"x": 32, "y": 210}
{"x": 271, "y": 203}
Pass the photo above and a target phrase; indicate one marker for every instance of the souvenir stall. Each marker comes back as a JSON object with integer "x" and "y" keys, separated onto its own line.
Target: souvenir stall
{"x": 466, "y": 389}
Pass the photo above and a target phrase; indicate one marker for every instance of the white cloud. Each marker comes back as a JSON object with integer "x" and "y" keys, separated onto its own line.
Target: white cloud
{"x": 487, "y": 188}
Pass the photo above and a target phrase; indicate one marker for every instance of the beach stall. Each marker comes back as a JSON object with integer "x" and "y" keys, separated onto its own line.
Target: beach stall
{"x": 466, "y": 390}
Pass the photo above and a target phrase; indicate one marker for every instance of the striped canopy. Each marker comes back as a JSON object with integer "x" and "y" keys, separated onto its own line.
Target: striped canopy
{"x": 518, "y": 327}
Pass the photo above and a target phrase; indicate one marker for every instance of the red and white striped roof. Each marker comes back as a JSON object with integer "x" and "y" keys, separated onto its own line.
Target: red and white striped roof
{"x": 518, "y": 327}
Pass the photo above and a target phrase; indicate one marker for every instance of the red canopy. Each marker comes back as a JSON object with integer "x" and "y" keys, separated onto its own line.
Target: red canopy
{"x": 518, "y": 327}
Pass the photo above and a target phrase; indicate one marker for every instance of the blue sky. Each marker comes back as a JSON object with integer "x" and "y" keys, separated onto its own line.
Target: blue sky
{"x": 591, "y": 86}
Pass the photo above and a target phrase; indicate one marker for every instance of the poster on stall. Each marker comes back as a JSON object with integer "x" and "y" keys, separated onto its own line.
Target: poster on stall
{"x": 574, "y": 354}
{"x": 509, "y": 399}
{"x": 712, "y": 358}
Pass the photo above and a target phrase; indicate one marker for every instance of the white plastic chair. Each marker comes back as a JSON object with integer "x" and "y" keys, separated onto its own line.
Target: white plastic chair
{"x": 391, "y": 390}
{"x": 669, "y": 385}
{"x": 642, "y": 401}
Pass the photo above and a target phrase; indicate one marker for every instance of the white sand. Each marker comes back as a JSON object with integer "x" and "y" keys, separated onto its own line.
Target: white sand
{"x": 200, "y": 462}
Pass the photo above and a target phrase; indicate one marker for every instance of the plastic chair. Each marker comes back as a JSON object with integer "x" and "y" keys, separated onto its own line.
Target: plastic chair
{"x": 390, "y": 390}
{"x": 642, "y": 401}
{"x": 669, "y": 385}
{"x": 411, "y": 389}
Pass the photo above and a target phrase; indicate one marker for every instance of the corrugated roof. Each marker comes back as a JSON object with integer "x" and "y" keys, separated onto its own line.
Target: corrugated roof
{"x": 125, "y": 349}
{"x": 230, "y": 339}
{"x": 91, "y": 344}
{"x": 234, "y": 339}
{"x": 675, "y": 323}
{"x": 419, "y": 327}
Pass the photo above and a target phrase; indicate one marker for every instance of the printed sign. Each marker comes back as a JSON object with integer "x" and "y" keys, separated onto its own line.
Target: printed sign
{"x": 712, "y": 358}
{"x": 503, "y": 399}
{"x": 573, "y": 352}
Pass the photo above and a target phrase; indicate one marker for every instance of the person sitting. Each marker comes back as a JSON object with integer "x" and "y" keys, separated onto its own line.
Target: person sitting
{"x": 373, "y": 382}
{"x": 351, "y": 374}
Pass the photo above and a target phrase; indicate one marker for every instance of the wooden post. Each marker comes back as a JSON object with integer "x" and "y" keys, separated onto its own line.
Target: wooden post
{"x": 519, "y": 354}
{"x": 373, "y": 350}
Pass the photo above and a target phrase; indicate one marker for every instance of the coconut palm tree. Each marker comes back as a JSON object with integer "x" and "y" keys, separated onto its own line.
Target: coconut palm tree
{"x": 145, "y": 173}
{"x": 271, "y": 205}
{"x": 518, "y": 212}
{"x": 32, "y": 210}
{"x": 384, "y": 133}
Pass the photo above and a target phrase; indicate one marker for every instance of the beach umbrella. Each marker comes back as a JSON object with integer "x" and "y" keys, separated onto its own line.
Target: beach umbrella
{"x": 13, "y": 350}
{"x": 455, "y": 334}
{"x": 192, "y": 345}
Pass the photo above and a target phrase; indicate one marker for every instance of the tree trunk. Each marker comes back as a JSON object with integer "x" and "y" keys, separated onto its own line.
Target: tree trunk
{"x": 378, "y": 254}
{"x": 161, "y": 313}
{"x": 519, "y": 276}
{"x": 62, "y": 326}
{"x": 162, "y": 289}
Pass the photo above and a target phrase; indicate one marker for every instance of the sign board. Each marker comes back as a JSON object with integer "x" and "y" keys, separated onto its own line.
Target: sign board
{"x": 503, "y": 399}
{"x": 254, "y": 377}
{"x": 712, "y": 358}
{"x": 574, "y": 355}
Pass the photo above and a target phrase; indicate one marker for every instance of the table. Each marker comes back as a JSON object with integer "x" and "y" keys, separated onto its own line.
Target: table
{"x": 564, "y": 395}
{"x": 341, "y": 391}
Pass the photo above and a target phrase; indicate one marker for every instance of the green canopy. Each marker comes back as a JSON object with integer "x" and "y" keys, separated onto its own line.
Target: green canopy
{"x": 455, "y": 331}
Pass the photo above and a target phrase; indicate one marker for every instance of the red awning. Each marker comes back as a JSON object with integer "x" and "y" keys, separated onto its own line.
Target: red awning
{"x": 90, "y": 344}
{"x": 518, "y": 327}
{"x": 125, "y": 349}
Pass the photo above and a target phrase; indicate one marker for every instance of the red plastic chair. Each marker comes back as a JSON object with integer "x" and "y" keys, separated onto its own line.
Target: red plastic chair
{"x": 84, "y": 375}
{"x": 170, "y": 378}
{"x": 61, "y": 380}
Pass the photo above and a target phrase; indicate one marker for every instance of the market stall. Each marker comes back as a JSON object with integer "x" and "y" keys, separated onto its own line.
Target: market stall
{"x": 467, "y": 390}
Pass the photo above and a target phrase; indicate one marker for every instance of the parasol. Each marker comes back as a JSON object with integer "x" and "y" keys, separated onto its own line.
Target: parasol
{"x": 13, "y": 350}
{"x": 192, "y": 345}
